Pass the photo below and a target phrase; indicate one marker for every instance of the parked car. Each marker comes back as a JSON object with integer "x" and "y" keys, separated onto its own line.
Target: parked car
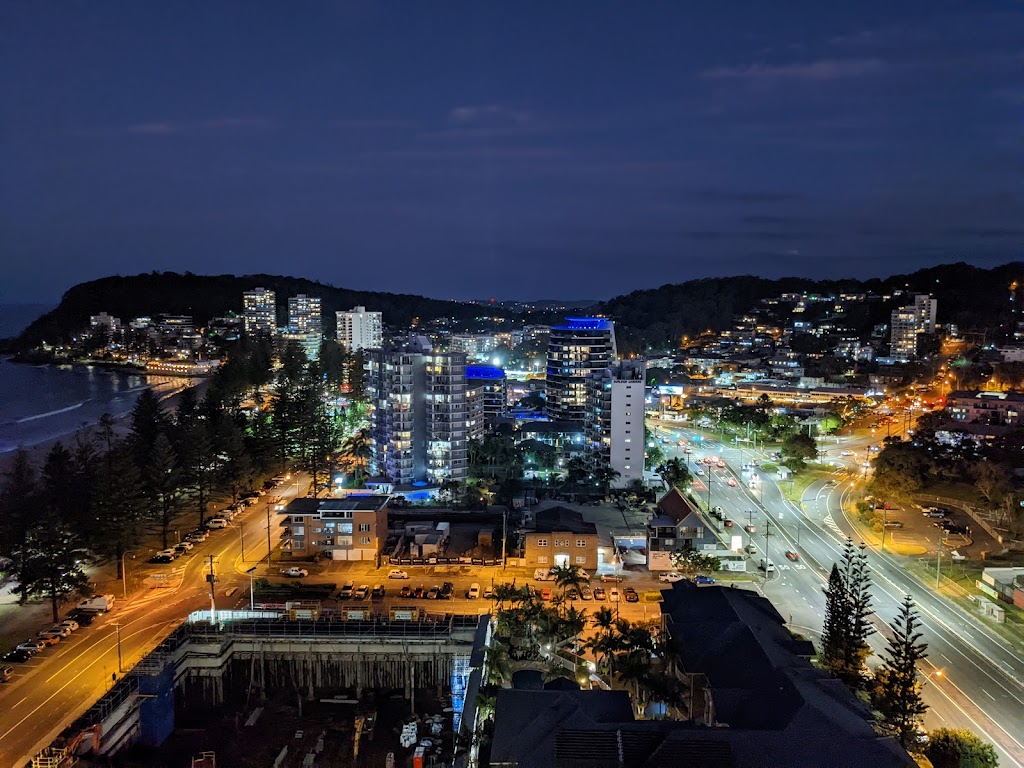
{"x": 792, "y": 554}
{"x": 935, "y": 512}
{"x": 71, "y": 624}
{"x": 83, "y": 618}
{"x": 572, "y": 593}
{"x": 6, "y": 673}
{"x": 185, "y": 544}
{"x": 197, "y": 536}
{"x": 57, "y": 629}
{"x": 544, "y": 574}
{"x": 396, "y": 574}
{"x": 893, "y": 524}
{"x": 545, "y": 594}
{"x": 419, "y": 592}
{"x": 97, "y": 603}
{"x": 32, "y": 646}
{"x": 447, "y": 589}
{"x": 610, "y": 577}
{"x": 405, "y": 591}
{"x": 346, "y": 590}
{"x": 294, "y": 572}
{"x": 171, "y": 553}
{"x": 671, "y": 577}
{"x": 599, "y": 593}
{"x": 362, "y": 592}
{"x": 161, "y": 559}
{"x": 434, "y": 592}
{"x": 630, "y": 594}
{"x": 16, "y": 657}
{"x": 473, "y": 592}
{"x": 702, "y": 580}
{"x": 586, "y": 592}
{"x": 378, "y": 592}
{"x": 216, "y": 523}
{"x": 767, "y": 566}
{"x": 488, "y": 593}
{"x": 181, "y": 549}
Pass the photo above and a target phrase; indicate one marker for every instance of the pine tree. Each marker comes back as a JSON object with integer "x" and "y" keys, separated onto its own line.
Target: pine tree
{"x": 897, "y": 692}
{"x": 857, "y": 578}
{"x": 836, "y": 630}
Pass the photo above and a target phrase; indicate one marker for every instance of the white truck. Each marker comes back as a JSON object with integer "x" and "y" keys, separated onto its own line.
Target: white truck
{"x": 97, "y": 604}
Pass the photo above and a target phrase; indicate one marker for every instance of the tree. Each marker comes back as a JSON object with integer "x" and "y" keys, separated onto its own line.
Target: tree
{"x": 568, "y": 576}
{"x": 161, "y": 476}
{"x": 18, "y": 504}
{"x": 796, "y": 449}
{"x": 604, "y": 476}
{"x": 836, "y": 627}
{"x": 54, "y": 558}
{"x": 674, "y": 472}
{"x": 991, "y": 481}
{"x": 897, "y": 692}
{"x": 959, "y": 748}
{"x": 355, "y": 455}
{"x": 689, "y": 560}
{"x": 844, "y": 647}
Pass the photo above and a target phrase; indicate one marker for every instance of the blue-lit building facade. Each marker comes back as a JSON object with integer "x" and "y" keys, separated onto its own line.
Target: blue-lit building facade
{"x": 490, "y": 387}
{"x": 580, "y": 347}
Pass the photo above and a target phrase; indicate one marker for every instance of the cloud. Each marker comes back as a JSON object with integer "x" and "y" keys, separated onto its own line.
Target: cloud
{"x": 486, "y": 121}
{"x": 770, "y": 236}
{"x": 213, "y": 125}
{"x": 823, "y": 69}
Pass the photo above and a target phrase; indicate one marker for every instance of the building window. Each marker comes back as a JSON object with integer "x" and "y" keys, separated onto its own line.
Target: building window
{"x": 581, "y": 559}
{"x": 364, "y": 539}
{"x": 542, "y": 542}
{"x": 364, "y": 527}
{"x": 542, "y": 560}
{"x": 581, "y": 542}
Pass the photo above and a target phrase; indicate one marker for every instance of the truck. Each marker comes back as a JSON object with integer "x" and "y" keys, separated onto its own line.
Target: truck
{"x": 97, "y": 604}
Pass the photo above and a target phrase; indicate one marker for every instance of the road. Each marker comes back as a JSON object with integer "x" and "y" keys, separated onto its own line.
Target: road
{"x": 51, "y": 690}
{"x": 980, "y": 684}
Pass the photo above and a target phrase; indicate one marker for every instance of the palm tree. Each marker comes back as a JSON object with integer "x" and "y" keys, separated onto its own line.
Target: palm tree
{"x": 568, "y": 576}
{"x": 356, "y": 453}
{"x": 674, "y": 472}
{"x": 604, "y": 476}
{"x": 499, "y": 667}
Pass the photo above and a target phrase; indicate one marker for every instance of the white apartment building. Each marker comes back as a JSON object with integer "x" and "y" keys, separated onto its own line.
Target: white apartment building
{"x": 359, "y": 329}
{"x": 259, "y": 311}
{"x": 909, "y": 321}
{"x": 927, "y": 309}
{"x": 615, "y": 419}
{"x": 304, "y": 314}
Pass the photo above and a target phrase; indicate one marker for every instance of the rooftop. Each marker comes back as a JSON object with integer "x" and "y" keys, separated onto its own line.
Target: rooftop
{"x": 562, "y": 519}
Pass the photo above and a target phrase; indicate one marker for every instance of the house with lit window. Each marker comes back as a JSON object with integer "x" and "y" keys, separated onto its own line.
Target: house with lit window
{"x": 561, "y": 537}
{"x": 677, "y": 524}
{"x": 351, "y": 528}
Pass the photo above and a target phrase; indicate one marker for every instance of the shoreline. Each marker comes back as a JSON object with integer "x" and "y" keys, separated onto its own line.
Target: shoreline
{"x": 37, "y": 452}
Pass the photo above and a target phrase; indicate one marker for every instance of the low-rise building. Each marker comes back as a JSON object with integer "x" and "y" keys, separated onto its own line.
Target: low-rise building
{"x": 561, "y": 537}
{"x": 973, "y": 407}
{"x": 351, "y": 528}
{"x": 677, "y": 524}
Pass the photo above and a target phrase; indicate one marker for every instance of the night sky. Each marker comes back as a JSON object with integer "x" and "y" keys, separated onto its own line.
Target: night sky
{"x": 518, "y": 150}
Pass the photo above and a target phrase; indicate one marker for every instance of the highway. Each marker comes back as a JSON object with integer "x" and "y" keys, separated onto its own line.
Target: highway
{"x": 973, "y": 680}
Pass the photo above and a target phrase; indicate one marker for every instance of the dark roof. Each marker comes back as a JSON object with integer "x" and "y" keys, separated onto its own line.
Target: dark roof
{"x": 311, "y": 506}
{"x": 675, "y": 505}
{"x": 562, "y": 519}
{"x": 527, "y": 723}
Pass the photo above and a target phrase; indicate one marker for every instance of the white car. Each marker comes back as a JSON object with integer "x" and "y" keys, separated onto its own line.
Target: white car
{"x": 171, "y": 553}
{"x": 396, "y": 574}
{"x": 294, "y": 573}
{"x": 474, "y": 591}
{"x": 186, "y": 545}
{"x": 613, "y": 595}
{"x": 671, "y": 578}
{"x": 71, "y": 624}
{"x": 216, "y": 522}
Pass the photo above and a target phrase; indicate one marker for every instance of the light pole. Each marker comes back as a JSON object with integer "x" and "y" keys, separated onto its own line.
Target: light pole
{"x": 117, "y": 628}
{"x": 124, "y": 573}
{"x": 885, "y": 524}
{"x": 241, "y": 537}
{"x": 269, "y": 550}
{"x": 938, "y": 563}
{"x": 252, "y": 592}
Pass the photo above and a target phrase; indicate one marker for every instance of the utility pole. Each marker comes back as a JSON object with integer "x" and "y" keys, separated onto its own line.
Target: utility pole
{"x": 504, "y": 537}
{"x": 938, "y": 563}
{"x": 252, "y": 591}
{"x": 710, "y": 471}
{"x": 117, "y": 628}
{"x": 269, "y": 550}
{"x": 241, "y": 538}
{"x": 212, "y": 579}
{"x": 885, "y": 523}
{"x": 767, "y": 557}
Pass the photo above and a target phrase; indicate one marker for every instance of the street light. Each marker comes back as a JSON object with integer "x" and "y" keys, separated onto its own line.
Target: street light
{"x": 252, "y": 594}
{"x": 124, "y": 574}
{"x": 117, "y": 628}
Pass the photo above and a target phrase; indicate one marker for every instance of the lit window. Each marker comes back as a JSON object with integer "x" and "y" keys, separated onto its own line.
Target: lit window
{"x": 581, "y": 559}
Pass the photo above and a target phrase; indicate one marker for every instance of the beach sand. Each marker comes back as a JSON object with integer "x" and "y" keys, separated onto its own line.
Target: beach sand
{"x": 168, "y": 394}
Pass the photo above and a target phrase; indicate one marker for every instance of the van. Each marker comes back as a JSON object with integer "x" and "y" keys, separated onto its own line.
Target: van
{"x": 216, "y": 522}
{"x": 767, "y": 566}
{"x": 97, "y": 604}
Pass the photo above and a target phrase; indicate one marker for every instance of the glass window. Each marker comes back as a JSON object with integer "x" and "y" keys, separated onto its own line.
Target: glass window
{"x": 581, "y": 559}
{"x": 542, "y": 542}
{"x": 581, "y": 542}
